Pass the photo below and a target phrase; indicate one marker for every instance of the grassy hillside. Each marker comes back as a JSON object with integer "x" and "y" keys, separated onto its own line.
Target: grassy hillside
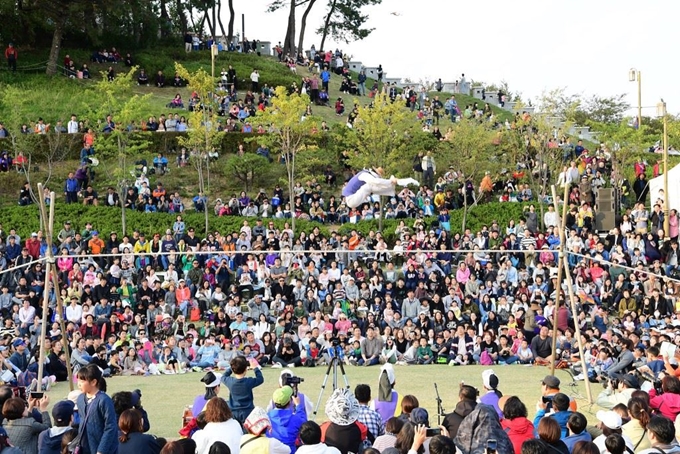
{"x": 56, "y": 98}
{"x": 65, "y": 96}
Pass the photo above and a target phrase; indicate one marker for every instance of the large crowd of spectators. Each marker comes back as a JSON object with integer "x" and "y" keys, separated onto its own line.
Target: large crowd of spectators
{"x": 173, "y": 301}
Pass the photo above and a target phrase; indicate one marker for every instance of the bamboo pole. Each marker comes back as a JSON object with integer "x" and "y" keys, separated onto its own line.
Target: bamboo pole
{"x": 62, "y": 326}
{"x": 48, "y": 223}
{"x": 560, "y": 269}
{"x": 577, "y": 328}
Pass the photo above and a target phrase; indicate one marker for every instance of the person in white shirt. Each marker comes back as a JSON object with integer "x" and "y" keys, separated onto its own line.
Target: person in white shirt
{"x": 74, "y": 311}
{"x": 255, "y": 80}
{"x": 72, "y": 126}
{"x": 551, "y": 218}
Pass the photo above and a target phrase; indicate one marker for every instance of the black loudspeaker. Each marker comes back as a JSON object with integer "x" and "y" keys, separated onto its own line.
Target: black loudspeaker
{"x": 605, "y": 220}
{"x": 606, "y": 200}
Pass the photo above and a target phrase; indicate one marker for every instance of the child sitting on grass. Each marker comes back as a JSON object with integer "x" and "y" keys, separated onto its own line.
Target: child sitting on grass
{"x": 241, "y": 387}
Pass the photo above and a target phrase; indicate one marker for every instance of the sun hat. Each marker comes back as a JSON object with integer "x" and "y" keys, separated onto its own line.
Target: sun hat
{"x": 211, "y": 380}
{"x": 257, "y": 421}
{"x": 342, "y": 408}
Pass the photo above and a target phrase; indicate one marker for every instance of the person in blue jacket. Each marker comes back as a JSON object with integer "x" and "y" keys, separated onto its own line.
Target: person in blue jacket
{"x": 560, "y": 413}
{"x": 286, "y": 422}
{"x": 98, "y": 430}
{"x": 241, "y": 400}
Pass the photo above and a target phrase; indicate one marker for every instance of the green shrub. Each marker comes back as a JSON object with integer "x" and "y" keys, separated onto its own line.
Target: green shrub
{"x": 26, "y": 220}
{"x": 105, "y": 219}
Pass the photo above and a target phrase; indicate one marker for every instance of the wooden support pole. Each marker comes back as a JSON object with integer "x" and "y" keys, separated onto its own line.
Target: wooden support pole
{"x": 48, "y": 224}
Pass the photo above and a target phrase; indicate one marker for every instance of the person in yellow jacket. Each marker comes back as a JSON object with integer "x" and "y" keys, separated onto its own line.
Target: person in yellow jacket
{"x": 256, "y": 441}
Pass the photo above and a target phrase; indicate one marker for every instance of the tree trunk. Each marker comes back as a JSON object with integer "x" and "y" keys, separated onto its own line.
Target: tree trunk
{"x": 123, "y": 191}
{"x": 219, "y": 18}
{"x": 465, "y": 207}
{"x": 232, "y": 16}
{"x": 181, "y": 16}
{"x": 56, "y": 46}
{"x": 303, "y": 25}
{"x": 290, "y": 166}
{"x": 210, "y": 24}
{"x": 289, "y": 44}
{"x": 325, "y": 25}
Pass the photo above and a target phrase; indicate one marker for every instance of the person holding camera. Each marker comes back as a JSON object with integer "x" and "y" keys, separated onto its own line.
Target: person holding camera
{"x": 21, "y": 428}
{"x": 241, "y": 400}
{"x": 619, "y": 390}
{"x": 665, "y": 396}
{"x": 286, "y": 422}
{"x": 287, "y": 377}
{"x": 288, "y": 354}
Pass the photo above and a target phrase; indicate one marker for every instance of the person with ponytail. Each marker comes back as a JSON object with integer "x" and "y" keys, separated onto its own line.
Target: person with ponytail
{"x": 98, "y": 430}
{"x": 636, "y": 428}
{"x": 388, "y": 402}
{"x": 492, "y": 395}
{"x": 132, "y": 440}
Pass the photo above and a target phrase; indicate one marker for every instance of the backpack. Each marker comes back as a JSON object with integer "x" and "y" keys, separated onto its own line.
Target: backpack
{"x": 195, "y": 314}
{"x": 485, "y": 359}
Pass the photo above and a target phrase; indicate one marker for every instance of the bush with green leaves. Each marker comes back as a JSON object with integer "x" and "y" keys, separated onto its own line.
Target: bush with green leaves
{"x": 107, "y": 219}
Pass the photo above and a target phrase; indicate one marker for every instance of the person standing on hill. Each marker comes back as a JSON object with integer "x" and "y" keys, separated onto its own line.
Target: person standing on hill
{"x": 11, "y": 56}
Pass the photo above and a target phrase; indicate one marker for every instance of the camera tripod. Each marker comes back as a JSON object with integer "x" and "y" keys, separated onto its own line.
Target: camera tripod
{"x": 335, "y": 361}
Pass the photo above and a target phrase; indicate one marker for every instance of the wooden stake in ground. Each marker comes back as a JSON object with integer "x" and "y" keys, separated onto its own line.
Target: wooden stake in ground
{"x": 48, "y": 224}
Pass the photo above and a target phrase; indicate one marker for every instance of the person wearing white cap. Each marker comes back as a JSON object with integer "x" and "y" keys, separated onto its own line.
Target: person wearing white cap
{"x": 212, "y": 383}
{"x": 490, "y": 380}
{"x": 610, "y": 423}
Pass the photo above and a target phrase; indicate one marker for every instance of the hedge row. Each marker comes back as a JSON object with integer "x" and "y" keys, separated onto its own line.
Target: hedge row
{"x": 26, "y": 220}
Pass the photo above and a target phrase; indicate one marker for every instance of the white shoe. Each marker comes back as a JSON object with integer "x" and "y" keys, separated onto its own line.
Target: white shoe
{"x": 452, "y": 363}
{"x": 579, "y": 377}
{"x": 292, "y": 365}
{"x": 168, "y": 372}
{"x": 277, "y": 366}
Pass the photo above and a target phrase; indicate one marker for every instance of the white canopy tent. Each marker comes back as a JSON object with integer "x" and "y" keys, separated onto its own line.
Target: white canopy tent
{"x": 656, "y": 188}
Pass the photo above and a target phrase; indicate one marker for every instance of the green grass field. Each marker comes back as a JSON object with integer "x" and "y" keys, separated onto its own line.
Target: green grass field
{"x": 165, "y": 396}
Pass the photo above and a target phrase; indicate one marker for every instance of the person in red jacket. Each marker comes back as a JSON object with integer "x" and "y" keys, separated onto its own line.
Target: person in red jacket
{"x": 11, "y": 56}
{"x": 515, "y": 422}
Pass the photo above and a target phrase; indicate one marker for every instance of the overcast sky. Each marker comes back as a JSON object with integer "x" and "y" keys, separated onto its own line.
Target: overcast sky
{"x": 535, "y": 45}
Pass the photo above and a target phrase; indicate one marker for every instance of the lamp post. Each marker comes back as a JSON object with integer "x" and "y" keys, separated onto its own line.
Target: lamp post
{"x": 633, "y": 76}
{"x": 661, "y": 111}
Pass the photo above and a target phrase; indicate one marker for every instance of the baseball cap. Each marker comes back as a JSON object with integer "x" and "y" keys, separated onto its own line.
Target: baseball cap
{"x": 419, "y": 416}
{"x": 610, "y": 419}
{"x": 18, "y": 342}
{"x": 63, "y": 411}
{"x": 551, "y": 381}
{"x": 282, "y": 395}
{"x": 630, "y": 380}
